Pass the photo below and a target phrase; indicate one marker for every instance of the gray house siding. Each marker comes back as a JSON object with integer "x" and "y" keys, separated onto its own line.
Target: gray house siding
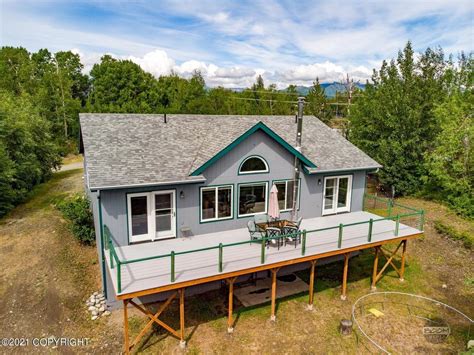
{"x": 224, "y": 171}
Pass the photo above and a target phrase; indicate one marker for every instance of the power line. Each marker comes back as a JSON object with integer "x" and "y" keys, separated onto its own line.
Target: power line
{"x": 251, "y": 99}
{"x": 273, "y": 92}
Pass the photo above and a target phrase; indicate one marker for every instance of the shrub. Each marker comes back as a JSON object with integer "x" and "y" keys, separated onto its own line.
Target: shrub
{"x": 78, "y": 212}
{"x": 450, "y": 232}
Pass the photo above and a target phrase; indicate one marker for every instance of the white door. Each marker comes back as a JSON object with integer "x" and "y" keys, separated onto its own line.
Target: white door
{"x": 337, "y": 194}
{"x": 151, "y": 215}
{"x": 164, "y": 214}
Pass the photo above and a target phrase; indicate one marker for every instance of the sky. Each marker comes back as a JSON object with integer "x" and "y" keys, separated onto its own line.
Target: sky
{"x": 232, "y": 42}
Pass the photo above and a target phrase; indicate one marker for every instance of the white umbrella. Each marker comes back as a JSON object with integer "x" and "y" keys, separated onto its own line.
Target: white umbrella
{"x": 273, "y": 207}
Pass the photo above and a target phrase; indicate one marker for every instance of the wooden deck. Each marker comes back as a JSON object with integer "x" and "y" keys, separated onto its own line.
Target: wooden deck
{"x": 154, "y": 275}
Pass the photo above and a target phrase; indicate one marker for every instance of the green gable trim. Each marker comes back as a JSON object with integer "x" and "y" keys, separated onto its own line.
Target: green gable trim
{"x": 264, "y": 128}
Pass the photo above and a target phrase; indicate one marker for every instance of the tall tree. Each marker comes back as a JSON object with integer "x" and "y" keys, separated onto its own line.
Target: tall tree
{"x": 316, "y": 102}
{"x": 393, "y": 120}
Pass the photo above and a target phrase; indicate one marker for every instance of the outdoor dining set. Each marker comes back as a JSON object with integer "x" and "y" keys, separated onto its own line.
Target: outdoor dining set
{"x": 274, "y": 231}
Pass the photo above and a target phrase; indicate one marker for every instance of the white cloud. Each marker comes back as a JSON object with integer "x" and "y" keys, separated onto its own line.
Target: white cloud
{"x": 156, "y": 62}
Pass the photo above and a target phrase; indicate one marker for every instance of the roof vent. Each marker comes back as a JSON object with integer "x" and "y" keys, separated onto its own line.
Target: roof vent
{"x": 164, "y": 118}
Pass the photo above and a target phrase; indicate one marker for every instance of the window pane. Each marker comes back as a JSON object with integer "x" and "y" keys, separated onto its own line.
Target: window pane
{"x": 162, "y": 201}
{"x": 289, "y": 199}
{"x": 252, "y": 199}
{"x": 329, "y": 194}
{"x": 342, "y": 192}
{"x": 139, "y": 213}
{"x": 163, "y": 222}
{"x": 224, "y": 195}
{"x": 281, "y": 186}
{"x": 253, "y": 164}
{"x": 208, "y": 204}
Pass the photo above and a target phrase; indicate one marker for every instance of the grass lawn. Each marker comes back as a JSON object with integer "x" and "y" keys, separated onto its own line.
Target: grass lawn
{"x": 47, "y": 276}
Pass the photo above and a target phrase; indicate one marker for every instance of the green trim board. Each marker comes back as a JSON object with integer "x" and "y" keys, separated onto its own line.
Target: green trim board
{"x": 267, "y": 194}
{"x": 299, "y": 192}
{"x": 102, "y": 255}
{"x": 259, "y": 126}
{"x": 257, "y": 172}
{"x": 232, "y": 204}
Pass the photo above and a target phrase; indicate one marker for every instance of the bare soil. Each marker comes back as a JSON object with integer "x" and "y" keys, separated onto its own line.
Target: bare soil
{"x": 46, "y": 276}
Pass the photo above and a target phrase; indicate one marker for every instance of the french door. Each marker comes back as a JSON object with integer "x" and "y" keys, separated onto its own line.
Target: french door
{"x": 151, "y": 215}
{"x": 337, "y": 194}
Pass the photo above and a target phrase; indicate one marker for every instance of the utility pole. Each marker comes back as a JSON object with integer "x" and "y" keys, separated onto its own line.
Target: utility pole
{"x": 299, "y": 133}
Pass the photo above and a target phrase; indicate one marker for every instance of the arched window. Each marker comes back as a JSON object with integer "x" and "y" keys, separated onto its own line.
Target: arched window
{"x": 252, "y": 165}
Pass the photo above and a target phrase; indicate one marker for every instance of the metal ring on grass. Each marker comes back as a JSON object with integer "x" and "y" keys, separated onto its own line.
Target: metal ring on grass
{"x": 357, "y": 305}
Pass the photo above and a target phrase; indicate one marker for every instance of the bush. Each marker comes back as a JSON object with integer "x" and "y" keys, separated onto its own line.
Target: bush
{"x": 450, "y": 232}
{"x": 79, "y": 214}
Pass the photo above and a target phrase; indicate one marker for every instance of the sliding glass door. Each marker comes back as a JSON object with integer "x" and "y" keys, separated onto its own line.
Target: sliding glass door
{"x": 151, "y": 215}
{"x": 337, "y": 194}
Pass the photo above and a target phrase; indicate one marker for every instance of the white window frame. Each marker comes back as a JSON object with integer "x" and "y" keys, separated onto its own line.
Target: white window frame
{"x": 257, "y": 183}
{"x": 216, "y": 217}
{"x": 335, "y": 209}
{"x": 253, "y": 171}
{"x": 275, "y": 182}
{"x": 151, "y": 235}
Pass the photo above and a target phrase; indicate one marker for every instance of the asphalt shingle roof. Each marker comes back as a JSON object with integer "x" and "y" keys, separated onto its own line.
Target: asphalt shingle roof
{"x": 131, "y": 149}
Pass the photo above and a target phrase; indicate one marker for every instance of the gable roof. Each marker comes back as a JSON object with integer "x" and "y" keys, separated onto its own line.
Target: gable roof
{"x": 123, "y": 150}
{"x": 259, "y": 126}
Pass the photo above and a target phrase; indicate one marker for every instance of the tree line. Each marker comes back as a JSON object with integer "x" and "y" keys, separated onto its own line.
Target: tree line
{"x": 404, "y": 118}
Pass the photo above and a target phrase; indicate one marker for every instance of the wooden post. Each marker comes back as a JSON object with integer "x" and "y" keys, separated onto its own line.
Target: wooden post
{"x": 373, "y": 287}
{"x": 182, "y": 342}
{"x": 274, "y": 285}
{"x": 230, "y": 321}
{"x": 311, "y": 285}
{"x": 402, "y": 268}
{"x": 125, "y": 328}
{"x": 344, "y": 277}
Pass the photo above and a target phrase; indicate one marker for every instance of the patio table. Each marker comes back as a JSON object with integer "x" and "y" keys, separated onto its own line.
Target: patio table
{"x": 280, "y": 223}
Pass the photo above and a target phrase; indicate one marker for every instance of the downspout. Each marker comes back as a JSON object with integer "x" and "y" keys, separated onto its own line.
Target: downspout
{"x": 102, "y": 255}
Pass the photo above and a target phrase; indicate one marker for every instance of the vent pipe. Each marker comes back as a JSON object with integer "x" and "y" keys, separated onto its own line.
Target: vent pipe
{"x": 164, "y": 118}
{"x": 299, "y": 133}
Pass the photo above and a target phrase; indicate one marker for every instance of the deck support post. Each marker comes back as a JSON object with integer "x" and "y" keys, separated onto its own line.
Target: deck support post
{"x": 274, "y": 285}
{"x": 402, "y": 267}
{"x": 182, "y": 342}
{"x": 344, "y": 277}
{"x": 126, "y": 346}
{"x": 230, "y": 321}
{"x": 311, "y": 285}
{"x": 373, "y": 286}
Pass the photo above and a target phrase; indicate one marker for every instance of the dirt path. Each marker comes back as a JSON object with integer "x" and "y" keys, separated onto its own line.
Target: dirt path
{"x": 46, "y": 275}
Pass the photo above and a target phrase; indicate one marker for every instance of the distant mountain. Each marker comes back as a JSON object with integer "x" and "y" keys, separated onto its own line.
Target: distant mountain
{"x": 330, "y": 89}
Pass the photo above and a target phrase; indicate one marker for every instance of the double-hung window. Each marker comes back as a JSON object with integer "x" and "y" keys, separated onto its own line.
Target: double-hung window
{"x": 216, "y": 203}
{"x": 252, "y": 198}
{"x": 285, "y": 194}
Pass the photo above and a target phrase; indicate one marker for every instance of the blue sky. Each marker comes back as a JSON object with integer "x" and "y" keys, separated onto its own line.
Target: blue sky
{"x": 233, "y": 41}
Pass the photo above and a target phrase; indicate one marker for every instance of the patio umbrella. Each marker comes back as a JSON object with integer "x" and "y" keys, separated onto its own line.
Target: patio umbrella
{"x": 273, "y": 207}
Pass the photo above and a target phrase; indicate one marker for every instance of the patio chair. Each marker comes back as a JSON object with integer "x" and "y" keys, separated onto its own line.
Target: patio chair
{"x": 273, "y": 235}
{"x": 291, "y": 230}
{"x": 255, "y": 234}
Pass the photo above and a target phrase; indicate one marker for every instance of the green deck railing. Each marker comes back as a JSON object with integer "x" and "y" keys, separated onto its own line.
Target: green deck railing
{"x": 390, "y": 207}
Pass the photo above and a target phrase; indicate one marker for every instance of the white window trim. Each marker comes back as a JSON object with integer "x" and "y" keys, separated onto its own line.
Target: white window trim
{"x": 151, "y": 235}
{"x": 216, "y": 188}
{"x": 286, "y": 188}
{"x": 266, "y": 198}
{"x": 348, "y": 196}
{"x": 253, "y": 171}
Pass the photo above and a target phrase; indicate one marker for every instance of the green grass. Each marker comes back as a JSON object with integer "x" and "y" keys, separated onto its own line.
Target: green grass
{"x": 448, "y": 231}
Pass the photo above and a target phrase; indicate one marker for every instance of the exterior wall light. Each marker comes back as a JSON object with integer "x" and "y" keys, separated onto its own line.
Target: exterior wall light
{"x": 181, "y": 194}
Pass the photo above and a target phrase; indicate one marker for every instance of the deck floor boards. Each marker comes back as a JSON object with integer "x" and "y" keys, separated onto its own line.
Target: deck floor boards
{"x": 156, "y": 273}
